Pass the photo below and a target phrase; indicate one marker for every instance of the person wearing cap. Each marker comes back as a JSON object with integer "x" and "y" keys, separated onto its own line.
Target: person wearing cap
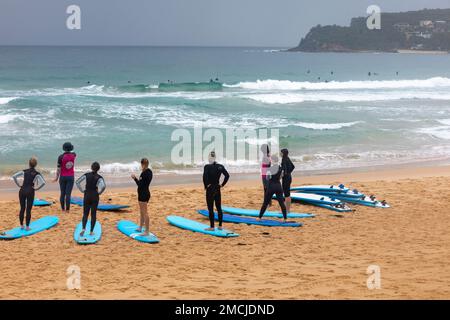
{"x": 211, "y": 181}
{"x": 65, "y": 173}
{"x": 286, "y": 180}
{"x": 274, "y": 187}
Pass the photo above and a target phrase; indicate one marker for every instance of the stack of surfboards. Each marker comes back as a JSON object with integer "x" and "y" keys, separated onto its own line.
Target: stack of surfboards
{"x": 334, "y": 197}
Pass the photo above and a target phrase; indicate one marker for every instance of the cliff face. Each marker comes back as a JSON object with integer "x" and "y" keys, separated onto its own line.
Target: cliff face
{"x": 419, "y": 30}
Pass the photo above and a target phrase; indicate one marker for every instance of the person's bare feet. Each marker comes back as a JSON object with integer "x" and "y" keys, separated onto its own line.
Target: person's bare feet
{"x": 22, "y": 227}
{"x": 27, "y": 228}
{"x": 82, "y": 233}
{"x": 92, "y": 234}
{"x": 209, "y": 229}
{"x": 220, "y": 228}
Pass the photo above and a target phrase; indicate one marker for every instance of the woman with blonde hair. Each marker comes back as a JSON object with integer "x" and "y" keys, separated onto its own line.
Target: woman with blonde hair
{"x": 29, "y": 181}
{"x": 144, "y": 195}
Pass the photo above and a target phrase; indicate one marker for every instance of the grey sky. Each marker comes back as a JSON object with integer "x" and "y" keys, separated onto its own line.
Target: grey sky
{"x": 182, "y": 22}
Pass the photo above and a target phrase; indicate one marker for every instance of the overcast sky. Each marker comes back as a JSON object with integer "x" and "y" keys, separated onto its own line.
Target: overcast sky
{"x": 182, "y": 22}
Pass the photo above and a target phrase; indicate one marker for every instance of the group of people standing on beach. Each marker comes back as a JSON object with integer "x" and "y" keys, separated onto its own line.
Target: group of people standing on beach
{"x": 276, "y": 180}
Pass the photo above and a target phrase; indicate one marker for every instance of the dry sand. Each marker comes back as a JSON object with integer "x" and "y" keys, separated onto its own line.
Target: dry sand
{"x": 327, "y": 258}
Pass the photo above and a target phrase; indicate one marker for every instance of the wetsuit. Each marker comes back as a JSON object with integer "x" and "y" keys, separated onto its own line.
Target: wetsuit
{"x": 274, "y": 187}
{"x": 288, "y": 167}
{"x": 143, "y": 184}
{"x": 95, "y": 185}
{"x": 27, "y": 191}
{"x": 211, "y": 180}
{"x": 66, "y": 164}
{"x": 265, "y": 165}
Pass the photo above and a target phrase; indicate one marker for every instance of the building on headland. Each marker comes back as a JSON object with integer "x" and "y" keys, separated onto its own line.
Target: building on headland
{"x": 427, "y": 30}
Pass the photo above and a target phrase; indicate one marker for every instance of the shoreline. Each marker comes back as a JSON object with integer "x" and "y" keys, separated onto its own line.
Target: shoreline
{"x": 397, "y": 51}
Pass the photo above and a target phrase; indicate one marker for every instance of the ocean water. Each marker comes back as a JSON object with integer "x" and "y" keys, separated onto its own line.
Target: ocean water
{"x": 330, "y": 113}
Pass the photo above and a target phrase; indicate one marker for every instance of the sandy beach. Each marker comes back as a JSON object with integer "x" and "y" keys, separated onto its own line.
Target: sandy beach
{"x": 327, "y": 258}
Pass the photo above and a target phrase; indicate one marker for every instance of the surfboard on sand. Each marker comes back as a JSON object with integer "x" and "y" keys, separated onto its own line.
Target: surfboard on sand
{"x": 101, "y": 206}
{"x": 87, "y": 238}
{"x": 35, "y": 225}
{"x": 267, "y": 214}
{"x": 262, "y": 222}
{"x": 41, "y": 203}
{"x": 196, "y": 226}
{"x": 129, "y": 229}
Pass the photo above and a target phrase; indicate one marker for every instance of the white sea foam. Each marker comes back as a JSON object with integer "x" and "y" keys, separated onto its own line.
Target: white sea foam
{"x": 289, "y": 98}
{"x": 117, "y": 167}
{"x": 270, "y": 84}
{"x": 7, "y": 118}
{"x": 444, "y": 122}
{"x": 5, "y": 100}
{"x": 326, "y": 126}
{"x": 441, "y": 132}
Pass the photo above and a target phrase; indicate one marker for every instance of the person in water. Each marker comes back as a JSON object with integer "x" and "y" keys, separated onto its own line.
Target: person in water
{"x": 211, "y": 181}
{"x": 65, "y": 172}
{"x": 32, "y": 181}
{"x": 265, "y": 165}
{"x": 287, "y": 166}
{"x": 92, "y": 185}
{"x": 143, "y": 184}
{"x": 274, "y": 187}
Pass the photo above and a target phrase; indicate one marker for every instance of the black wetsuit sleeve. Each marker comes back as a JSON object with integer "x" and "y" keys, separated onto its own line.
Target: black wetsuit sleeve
{"x": 145, "y": 180}
{"x": 226, "y": 175}
{"x": 205, "y": 176}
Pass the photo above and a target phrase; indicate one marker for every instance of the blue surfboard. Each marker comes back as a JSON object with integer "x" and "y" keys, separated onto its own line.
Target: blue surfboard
{"x": 101, "y": 206}
{"x": 41, "y": 203}
{"x": 35, "y": 225}
{"x": 87, "y": 238}
{"x": 353, "y": 194}
{"x": 314, "y": 198}
{"x": 262, "y": 222}
{"x": 195, "y": 226}
{"x": 338, "y": 208}
{"x": 129, "y": 228}
{"x": 267, "y": 214}
{"x": 321, "y": 188}
{"x": 367, "y": 201}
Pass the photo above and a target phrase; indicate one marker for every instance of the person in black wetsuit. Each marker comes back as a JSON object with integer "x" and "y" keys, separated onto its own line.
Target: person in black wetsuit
{"x": 144, "y": 195}
{"x": 288, "y": 167}
{"x": 211, "y": 181}
{"x": 265, "y": 165}
{"x": 274, "y": 187}
{"x": 92, "y": 185}
{"x": 32, "y": 181}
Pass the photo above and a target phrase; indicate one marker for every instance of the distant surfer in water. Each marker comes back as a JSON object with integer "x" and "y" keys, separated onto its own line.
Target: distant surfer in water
{"x": 66, "y": 174}
{"x": 287, "y": 166}
{"x": 211, "y": 181}
{"x": 265, "y": 165}
{"x": 92, "y": 185}
{"x": 144, "y": 195}
{"x": 29, "y": 181}
{"x": 274, "y": 187}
